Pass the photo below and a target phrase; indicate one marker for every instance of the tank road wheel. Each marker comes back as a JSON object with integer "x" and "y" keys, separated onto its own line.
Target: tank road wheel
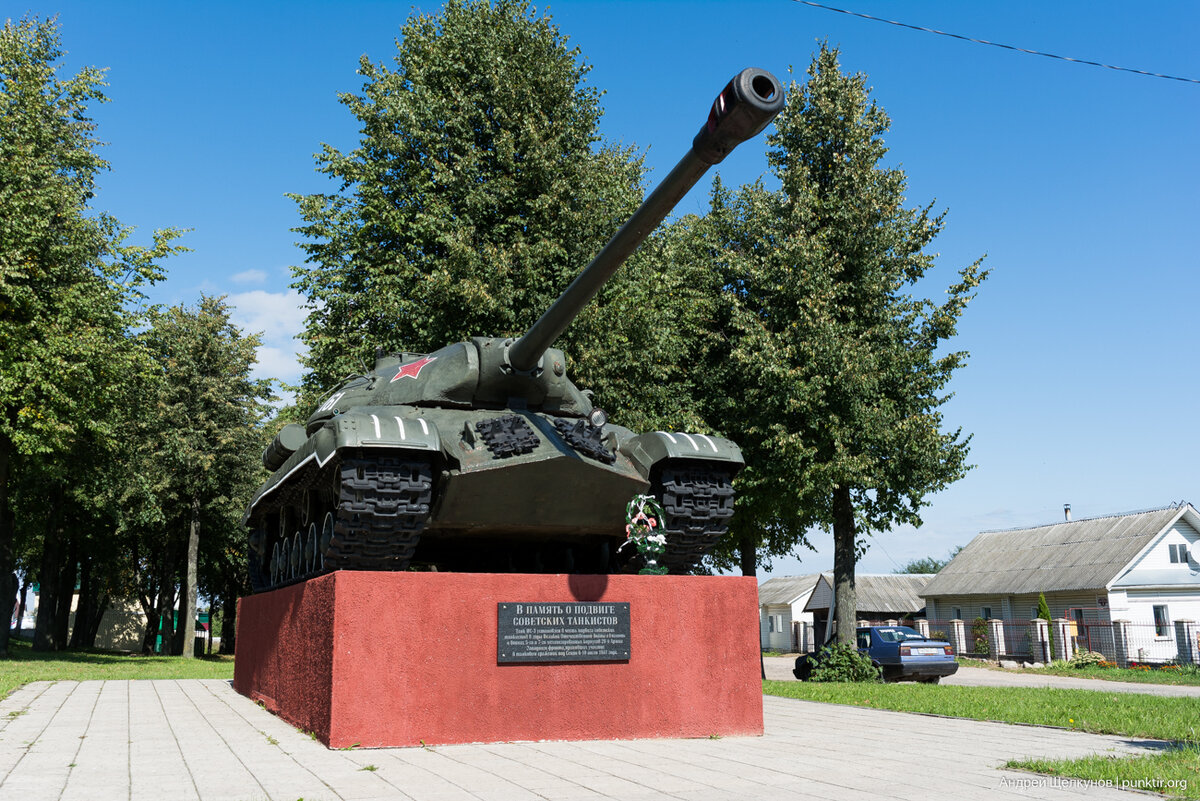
{"x": 326, "y": 538}
{"x": 697, "y": 502}
{"x": 259, "y": 572}
{"x": 275, "y": 563}
{"x": 383, "y": 505}
{"x": 295, "y": 563}
{"x": 311, "y": 560}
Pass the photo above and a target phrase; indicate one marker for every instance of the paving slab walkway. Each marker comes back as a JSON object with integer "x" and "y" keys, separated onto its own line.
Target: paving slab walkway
{"x": 780, "y": 668}
{"x": 199, "y": 740}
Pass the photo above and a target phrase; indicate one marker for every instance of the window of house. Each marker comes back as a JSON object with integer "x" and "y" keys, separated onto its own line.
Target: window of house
{"x": 771, "y": 623}
{"x": 957, "y": 613}
{"x": 1161, "y": 622}
{"x": 985, "y": 612}
{"x": 1179, "y": 552}
{"x": 1033, "y": 613}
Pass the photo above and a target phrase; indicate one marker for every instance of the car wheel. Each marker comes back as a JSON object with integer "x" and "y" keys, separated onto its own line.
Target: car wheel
{"x": 931, "y": 679}
{"x": 803, "y": 669}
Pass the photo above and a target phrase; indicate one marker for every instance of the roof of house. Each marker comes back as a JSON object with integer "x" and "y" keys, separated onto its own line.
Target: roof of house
{"x": 887, "y": 592}
{"x": 786, "y": 589}
{"x": 1079, "y": 555}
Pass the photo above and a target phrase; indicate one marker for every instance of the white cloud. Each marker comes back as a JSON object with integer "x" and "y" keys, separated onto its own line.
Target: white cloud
{"x": 249, "y": 277}
{"x": 279, "y": 318}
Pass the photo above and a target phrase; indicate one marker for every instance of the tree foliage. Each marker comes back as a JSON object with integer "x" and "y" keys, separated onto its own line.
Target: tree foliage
{"x": 929, "y": 564}
{"x": 201, "y": 438}
{"x": 480, "y": 187}
{"x": 67, "y": 277}
{"x": 836, "y": 367}
{"x": 474, "y": 194}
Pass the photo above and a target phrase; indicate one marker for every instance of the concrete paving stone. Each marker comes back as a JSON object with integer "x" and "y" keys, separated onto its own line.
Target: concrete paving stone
{"x": 199, "y": 740}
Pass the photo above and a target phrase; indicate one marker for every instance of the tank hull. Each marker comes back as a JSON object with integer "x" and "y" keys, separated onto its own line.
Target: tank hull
{"x": 397, "y": 488}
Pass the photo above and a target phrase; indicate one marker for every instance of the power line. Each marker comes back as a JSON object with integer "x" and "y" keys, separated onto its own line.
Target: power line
{"x": 998, "y": 44}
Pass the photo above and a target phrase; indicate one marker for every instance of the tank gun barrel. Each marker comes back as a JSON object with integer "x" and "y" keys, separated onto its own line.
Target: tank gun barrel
{"x": 744, "y": 107}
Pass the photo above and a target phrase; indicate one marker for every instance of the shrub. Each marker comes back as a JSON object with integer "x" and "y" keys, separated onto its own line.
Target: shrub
{"x": 1087, "y": 659}
{"x": 1043, "y": 611}
{"x": 842, "y": 662}
{"x": 979, "y": 631}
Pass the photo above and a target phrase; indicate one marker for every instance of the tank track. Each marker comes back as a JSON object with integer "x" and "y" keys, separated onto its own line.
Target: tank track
{"x": 697, "y": 502}
{"x": 383, "y": 505}
{"x": 374, "y": 522}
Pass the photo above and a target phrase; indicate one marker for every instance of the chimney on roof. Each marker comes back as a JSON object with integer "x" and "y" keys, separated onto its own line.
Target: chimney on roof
{"x": 1067, "y": 511}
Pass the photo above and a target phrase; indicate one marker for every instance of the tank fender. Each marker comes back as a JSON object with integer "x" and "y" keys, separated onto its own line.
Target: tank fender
{"x": 382, "y": 427}
{"x": 647, "y": 450}
{"x": 365, "y": 426}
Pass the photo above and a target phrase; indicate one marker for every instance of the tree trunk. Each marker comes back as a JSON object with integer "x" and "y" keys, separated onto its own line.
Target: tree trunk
{"x": 228, "y": 621}
{"x": 67, "y": 576}
{"x": 83, "y": 610}
{"x": 166, "y": 612}
{"x": 188, "y": 599}
{"x": 44, "y": 630}
{"x": 100, "y": 606}
{"x": 748, "y": 556}
{"x": 7, "y": 537}
{"x": 21, "y": 604}
{"x": 150, "y": 610}
{"x": 844, "y": 537}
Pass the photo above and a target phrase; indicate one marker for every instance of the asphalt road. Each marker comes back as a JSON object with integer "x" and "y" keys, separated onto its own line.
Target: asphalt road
{"x": 780, "y": 667}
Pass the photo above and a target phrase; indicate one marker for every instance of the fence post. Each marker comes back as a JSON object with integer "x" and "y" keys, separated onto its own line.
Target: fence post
{"x": 1062, "y": 639}
{"x": 1041, "y": 640}
{"x": 1120, "y": 632}
{"x": 958, "y": 636}
{"x": 923, "y": 627}
{"x": 996, "y": 639}
{"x": 892, "y": 622}
{"x": 1186, "y": 642}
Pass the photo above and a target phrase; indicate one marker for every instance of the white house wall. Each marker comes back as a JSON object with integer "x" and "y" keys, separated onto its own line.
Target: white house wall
{"x": 1138, "y": 609}
{"x": 1158, "y": 555}
{"x": 779, "y": 617}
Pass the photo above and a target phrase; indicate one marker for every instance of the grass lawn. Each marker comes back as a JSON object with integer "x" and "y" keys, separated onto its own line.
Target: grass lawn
{"x": 1128, "y": 714}
{"x": 1175, "y": 772}
{"x": 24, "y": 665}
{"x": 1187, "y": 675}
{"x": 1156, "y": 676}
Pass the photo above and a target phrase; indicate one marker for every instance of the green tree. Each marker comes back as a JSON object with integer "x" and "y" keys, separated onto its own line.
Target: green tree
{"x": 1043, "y": 612}
{"x": 206, "y": 424}
{"x": 66, "y": 274}
{"x": 479, "y": 189}
{"x": 929, "y": 564}
{"x": 474, "y": 195}
{"x": 836, "y": 367}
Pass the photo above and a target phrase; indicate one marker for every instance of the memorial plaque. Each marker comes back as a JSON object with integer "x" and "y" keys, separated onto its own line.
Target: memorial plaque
{"x": 562, "y": 632}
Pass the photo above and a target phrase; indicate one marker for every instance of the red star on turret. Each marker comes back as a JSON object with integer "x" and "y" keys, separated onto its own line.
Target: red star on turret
{"x": 413, "y": 369}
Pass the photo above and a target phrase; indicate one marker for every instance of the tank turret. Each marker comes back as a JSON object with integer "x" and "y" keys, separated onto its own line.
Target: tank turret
{"x": 483, "y": 455}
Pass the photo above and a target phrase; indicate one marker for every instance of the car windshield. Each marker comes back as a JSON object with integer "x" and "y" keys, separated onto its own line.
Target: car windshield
{"x": 899, "y": 634}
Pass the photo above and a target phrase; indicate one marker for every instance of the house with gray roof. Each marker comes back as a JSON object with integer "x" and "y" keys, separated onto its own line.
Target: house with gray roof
{"x": 878, "y": 597}
{"x": 786, "y": 601}
{"x": 781, "y": 603}
{"x": 1139, "y": 567}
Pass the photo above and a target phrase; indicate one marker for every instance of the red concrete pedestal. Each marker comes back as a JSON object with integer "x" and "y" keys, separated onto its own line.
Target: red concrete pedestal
{"x": 393, "y": 659}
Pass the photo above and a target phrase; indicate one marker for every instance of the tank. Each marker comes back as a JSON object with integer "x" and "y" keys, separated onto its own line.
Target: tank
{"x": 483, "y": 456}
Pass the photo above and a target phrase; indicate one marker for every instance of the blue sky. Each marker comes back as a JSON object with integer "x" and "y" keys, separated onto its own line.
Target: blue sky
{"x": 1080, "y": 184}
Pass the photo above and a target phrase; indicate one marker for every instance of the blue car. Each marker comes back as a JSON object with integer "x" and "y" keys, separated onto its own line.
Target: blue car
{"x": 899, "y": 652}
